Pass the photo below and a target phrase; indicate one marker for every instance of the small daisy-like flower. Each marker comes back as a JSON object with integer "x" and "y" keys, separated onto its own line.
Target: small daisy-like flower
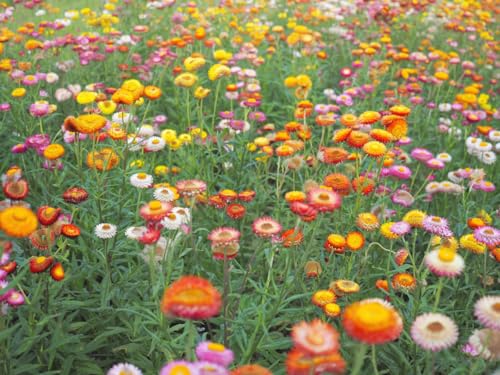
{"x": 214, "y": 353}
{"x": 385, "y": 230}
{"x": 180, "y": 368}
{"x": 315, "y": 338}
{"x": 343, "y": 287}
{"x": 372, "y": 321}
{"x": 403, "y": 281}
{"x": 415, "y": 218}
{"x": 141, "y": 180}
{"x": 224, "y": 235}
{"x": 105, "y": 230}
{"x": 321, "y": 297}
{"x": 155, "y": 210}
{"x": 191, "y": 297}
{"x": 172, "y": 221}
{"x": 134, "y": 233}
{"x": 210, "y": 368}
{"x": 190, "y": 188}
{"x": 444, "y": 262}
{"x": 164, "y": 194}
{"x": 154, "y": 144}
{"x": 324, "y": 200}
{"x": 487, "y": 311}
{"x": 488, "y": 235}
{"x": 437, "y": 225}
{"x": 468, "y": 242}
{"x": 184, "y": 213}
{"x": 367, "y": 221}
{"x": 486, "y": 343}
{"x": 266, "y": 227}
{"x": 299, "y": 362}
{"x": 434, "y": 332}
{"x": 400, "y": 228}
{"x": 124, "y": 369}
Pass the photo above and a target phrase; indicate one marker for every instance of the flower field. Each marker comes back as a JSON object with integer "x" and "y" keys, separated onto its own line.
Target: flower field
{"x": 249, "y": 187}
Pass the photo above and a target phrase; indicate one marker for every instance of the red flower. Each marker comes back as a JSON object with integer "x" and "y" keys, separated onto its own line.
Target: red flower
{"x": 57, "y": 272}
{"x": 47, "y": 215}
{"x": 75, "y": 195}
{"x": 235, "y": 211}
{"x": 40, "y": 264}
{"x": 16, "y": 190}
{"x": 70, "y": 230}
{"x": 9, "y": 267}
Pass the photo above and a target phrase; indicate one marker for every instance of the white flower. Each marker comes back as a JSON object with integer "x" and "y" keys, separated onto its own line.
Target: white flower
{"x": 494, "y": 135}
{"x": 154, "y": 144}
{"x": 134, "y": 233}
{"x": 184, "y": 213}
{"x": 145, "y": 131}
{"x": 121, "y": 118}
{"x": 172, "y": 221}
{"x": 134, "y": 143}
{"x": 443, "y": 156}
{"x": 444, "y": 107}
{"x": 51, "y": 77}
{"x": 105, "y": 230}
{"x": 124, "y": 369}
{"x": 488, "y": 157}
{"x": 141, "y": 180}
{"x": 164, "y": 194}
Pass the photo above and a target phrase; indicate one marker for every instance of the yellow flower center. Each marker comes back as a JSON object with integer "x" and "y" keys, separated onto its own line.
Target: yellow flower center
{"x": 180, "y": 370}
{"x": 154, "y": 205}
{"x": 436, "y": 219}
{"x": 215, "y": 347}
{"x": 191, "y": 297}
{"x": 106, "y": 226}
{"x": 489, "y": 232}
{"x": 141, "y": 176}
{"x": 50, "y": 210}
{"x": 315, "y": 338}
{"x": 20, "y": 216}
{"x": 446, "y": 255}
{"x": 155, "y": 141}
{"x": 374, "y": 315}
{"x": 323, "y": 196}
{"x": 496, "y": 307}
{"x": 40, "y": 260}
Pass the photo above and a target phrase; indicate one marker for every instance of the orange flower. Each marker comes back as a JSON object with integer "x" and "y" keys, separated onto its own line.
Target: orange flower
{"x": 191, "y": 297}
{"x": 152, "y": 92}
{"x": 335, "y": 243}
{"x": 312, "y": 268}
{"x": 404, "y": 281}
{"x": 86, "y": 124}
{"x": 357, "y": 139}
{"x": 321, "y": 297}
{"x": 363, "y": 185}
{"x": 400, "y": 110}
{"x": 315, "y": 338}
{"x": 382, "y": 135}
{"x": 292, "y": 237}
{"x": 300, "y": 363}
{"x": 332, "y": 155}
{"x": 342, "y": 287}
{"x": 369, "y": 117}
{"x": 338, "y": 182}
{"x": 348, "y": 120}
{"x": 372, "y": 321}
{"x": 341, "y": 135}
{"x": 367, "y": 221}
{"x": 355, "y": 241}
{"x": 251, "y": 370}
{"x": 18, "y": 221}
{"x": 103, "y": 160}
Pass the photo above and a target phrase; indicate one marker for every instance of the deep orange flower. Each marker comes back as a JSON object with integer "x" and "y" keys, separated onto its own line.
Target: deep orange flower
{"x": 40, "y": 264}
{"x": 191, "y": 297}
{"x": 292, "y": 237}
{"x": 332, "y": 155}
{"x": 70, "y": 230}
{"x": 348, "y": 120}
{"x": 341, "y": 135}
{"x": 103, "y": 160}
{"x": 363, "y": 185}
{"x": 403, "y": 281}
{"x": 152, "y": 92}
{"x": 47, "y": 215}
{"x": 357, "y": 139}
{"x": 57, "y": 272}
{"x": 355, "y": 241}
{"x": 300, "y": 363}
{"x": 251, "y": 370}
{"x": 338, "y": 182}
{"x": 372, "y": 321}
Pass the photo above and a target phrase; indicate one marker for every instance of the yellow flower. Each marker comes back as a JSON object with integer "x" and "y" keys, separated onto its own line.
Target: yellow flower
{"x": 168, "y": 135}
{"x": 107, "y": 107}
{"x": 161, "y": 170}
{"x": 194, "y": 63}
{"x": 251, "y": 147}
{"x": 86, "y": 97}
{"x": 139, "y": 102}
{"x": 134, "y": 87}
{"x": 138, "y": 163}
{"x": 304, "y": 81}
{"x": 201, "y": 92}
{"x": 185, "y": 80}
{"x": 18, "y": 92}
{"x": 185, "y": 138}
{"x": 18, "y": 221}
{"x": 222, "y": 55}
{"x": 175, "y": 144}
{"x": 290, "y": 82}
{"x": 218, "y": 71}
{"x": 53, "y": 151}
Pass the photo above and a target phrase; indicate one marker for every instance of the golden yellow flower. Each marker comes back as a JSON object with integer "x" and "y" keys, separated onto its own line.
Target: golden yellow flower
{"x": 201, "y": 92}
{"x": 107, "y": 107}
{"x": 218, "y": 71}
{"x": 185, "y": 80}
{"x": 53, "y": 151}
{"x": 18, "y": 221}
{"x": 194, "y": 63}
{"x": 18, "y": 92}
{"x": 86, "y": 97}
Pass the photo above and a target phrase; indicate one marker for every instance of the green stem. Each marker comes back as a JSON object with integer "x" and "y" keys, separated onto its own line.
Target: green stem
{"x": 438, "y": 294}
{"x": 359, "y": 358}
{"x": 374, "y": 360}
